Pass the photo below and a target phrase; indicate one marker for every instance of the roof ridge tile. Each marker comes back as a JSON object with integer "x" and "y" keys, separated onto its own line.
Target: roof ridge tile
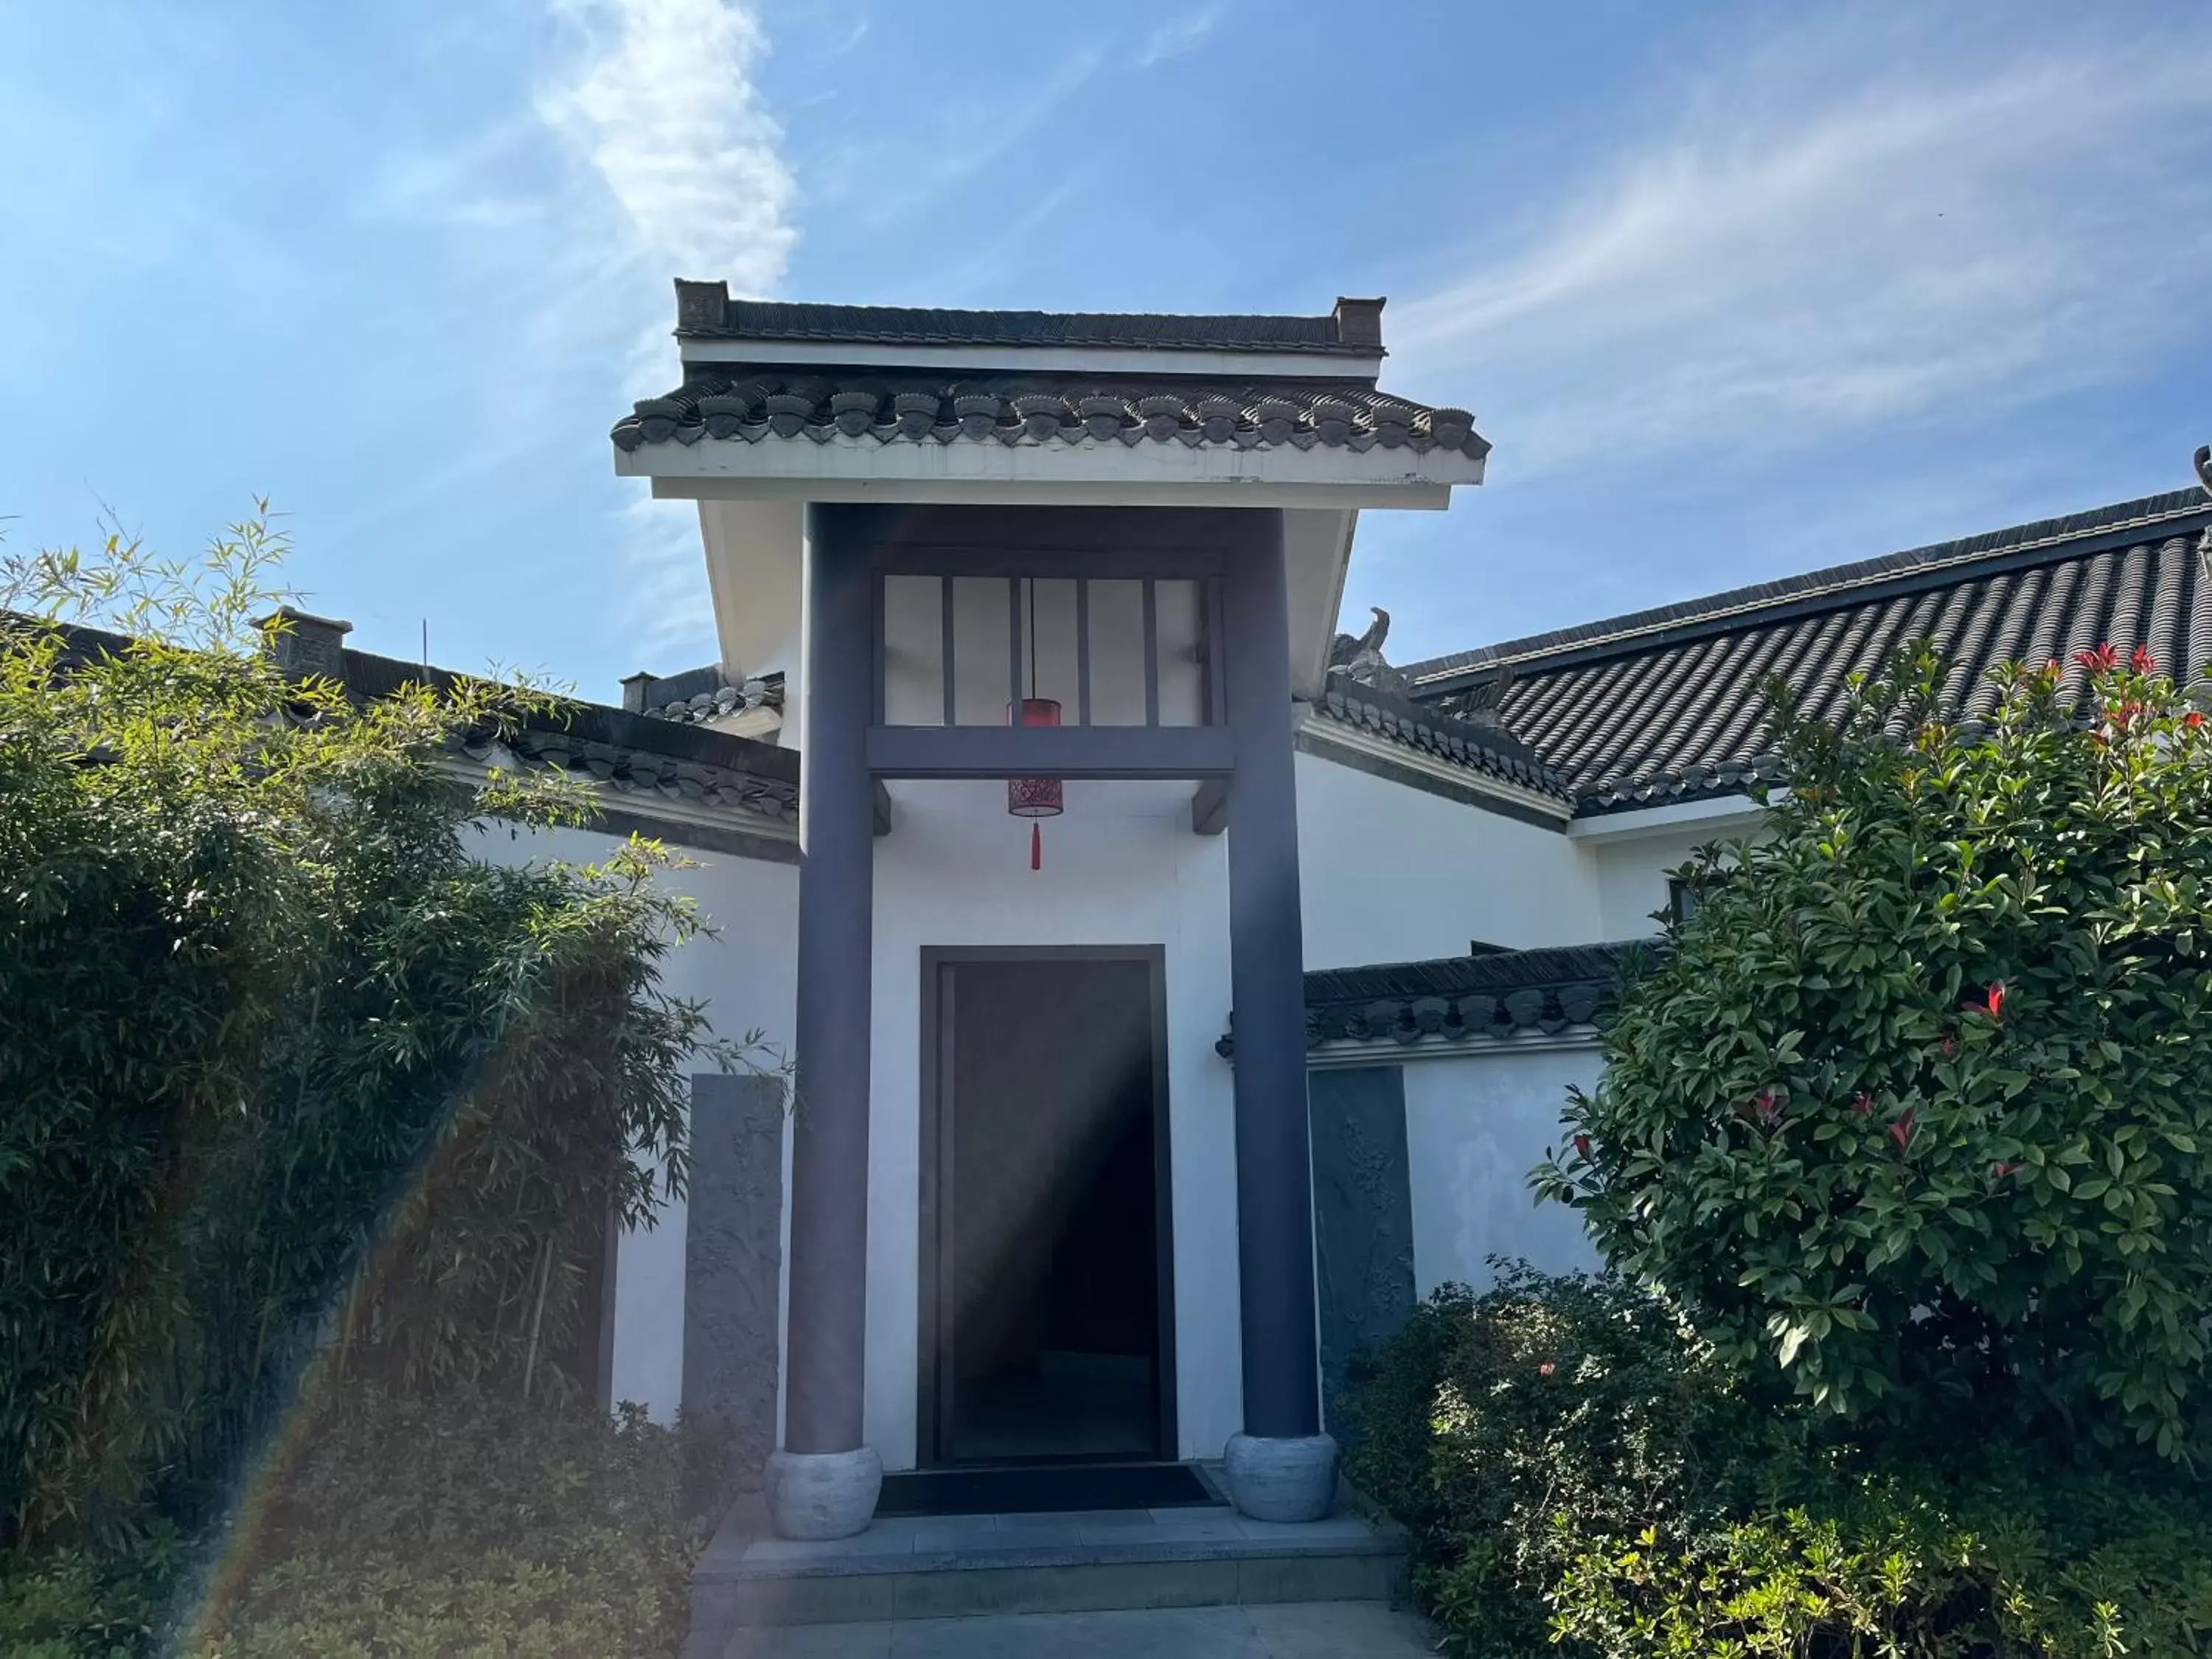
{"x": 1635, "y": 629}
{"x": 707, "y": 311}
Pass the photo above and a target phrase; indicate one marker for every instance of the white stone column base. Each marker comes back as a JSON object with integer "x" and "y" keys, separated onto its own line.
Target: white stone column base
{"x": 1272, "y": 1479}
{"x": 822, "y": 1495}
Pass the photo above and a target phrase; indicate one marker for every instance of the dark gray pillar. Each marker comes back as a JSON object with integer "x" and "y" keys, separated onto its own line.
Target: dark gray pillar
{"x": 826, "y": 1341}
{"x": 1266, "y": 954}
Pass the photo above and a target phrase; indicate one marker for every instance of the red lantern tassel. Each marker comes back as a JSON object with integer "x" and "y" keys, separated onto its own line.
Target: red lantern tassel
{"x": 1036, "y": 848}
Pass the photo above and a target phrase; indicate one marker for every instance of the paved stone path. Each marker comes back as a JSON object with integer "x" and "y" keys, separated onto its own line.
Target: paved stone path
{"x": 1294, "y": 1630}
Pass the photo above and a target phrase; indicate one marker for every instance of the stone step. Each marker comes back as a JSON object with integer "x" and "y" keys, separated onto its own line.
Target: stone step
{"x": 957, "y": 1566}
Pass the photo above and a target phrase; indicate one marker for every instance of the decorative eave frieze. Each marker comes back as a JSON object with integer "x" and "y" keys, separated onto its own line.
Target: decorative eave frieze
{"x": 692, "y": 803}
{"x": 1344, "y": 1055}
{"x": 1550, "y": 998}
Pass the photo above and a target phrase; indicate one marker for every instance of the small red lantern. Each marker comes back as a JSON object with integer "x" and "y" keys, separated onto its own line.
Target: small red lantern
{"x": 1035, "y": 798}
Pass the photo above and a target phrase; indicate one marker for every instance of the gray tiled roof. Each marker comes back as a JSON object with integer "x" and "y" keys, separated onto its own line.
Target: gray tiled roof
{"x": 701, "y": 696}
{"x": 1488, "y": 751}
{"x": 1500, "y": 994}
{"x": 755, "y": 404}
{"x": 641, "y": 761}
{"x": 1665, "y": 704}
{"x": 646, "y": 776}
{"x": 645, "y": 758}
{"x": 1471, "y": 1000}
{"x": 761, "y": 319}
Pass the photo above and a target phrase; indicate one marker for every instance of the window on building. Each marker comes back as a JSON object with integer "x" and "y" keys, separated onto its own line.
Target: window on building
{"x": 1681, "y": 900}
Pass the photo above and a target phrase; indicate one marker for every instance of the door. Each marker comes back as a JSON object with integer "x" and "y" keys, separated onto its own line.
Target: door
{"x": 1046, "y": 1259}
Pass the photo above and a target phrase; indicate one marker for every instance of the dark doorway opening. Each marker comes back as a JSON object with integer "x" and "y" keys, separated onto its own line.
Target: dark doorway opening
{"x": 1046, "y": 1264}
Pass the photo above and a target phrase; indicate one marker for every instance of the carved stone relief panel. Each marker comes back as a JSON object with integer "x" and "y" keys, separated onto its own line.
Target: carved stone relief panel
{"x": 1363, "y": 1214}
{"x": 733, "y": 1257}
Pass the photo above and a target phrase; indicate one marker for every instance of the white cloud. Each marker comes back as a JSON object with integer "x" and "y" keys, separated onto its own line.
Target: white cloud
{"x": 1811, "y": 251}
{"x": 644, "y": 153}
{"x": 478, "y": 184}
{"x": 1181, "y": 35}
{"x": 880, "y": 182}
{"x": 657, "y": 98}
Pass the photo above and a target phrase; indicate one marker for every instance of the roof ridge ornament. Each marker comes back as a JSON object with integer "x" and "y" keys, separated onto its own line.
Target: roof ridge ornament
{"x": 2203, "y": 460}
{"x": 1359, "y": 660}
{"x": 1484, "y": 702}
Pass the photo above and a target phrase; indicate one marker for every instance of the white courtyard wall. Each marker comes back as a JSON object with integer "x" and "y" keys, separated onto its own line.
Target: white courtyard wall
{"x": 1475, "y": 1126}
{"x": 1632, "y": 879}
{"x": 744, "y": 975}
{"x": 1632, "y": 870}
{"x": 1393, "y": 873}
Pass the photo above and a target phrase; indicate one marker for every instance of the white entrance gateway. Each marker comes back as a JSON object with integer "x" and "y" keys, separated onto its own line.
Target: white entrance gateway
{"x": 1074, "y": 568}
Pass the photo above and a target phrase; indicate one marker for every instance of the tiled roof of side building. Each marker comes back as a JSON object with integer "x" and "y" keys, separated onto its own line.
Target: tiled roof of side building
{"x": 645, "y": 768}
{"x": 701, "y": 696}
{"x": 640, "y": 760}
{"x": 706, "y": 311}
{"x": 1667, "y": 704}
{"x": 1488, "y": 751}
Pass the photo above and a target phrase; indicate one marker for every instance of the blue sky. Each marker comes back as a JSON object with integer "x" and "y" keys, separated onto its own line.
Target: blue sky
{"x": 1734, "y": 289}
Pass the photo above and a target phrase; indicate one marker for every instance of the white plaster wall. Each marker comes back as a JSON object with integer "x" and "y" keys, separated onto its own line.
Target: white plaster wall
{"x": 1392, "y": 874}
{"x": 1122, "y": 867}
{"x": 1632, "y": 870}
{"x": 744, "y": 975}
{"x": 753, "y": 566}
{"x": 1631, "y": 879}
{"x": 1475, "y": 1126}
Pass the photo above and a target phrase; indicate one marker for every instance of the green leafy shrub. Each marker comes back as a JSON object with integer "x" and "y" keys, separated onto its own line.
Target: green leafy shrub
{"x": 1486, "y": 1416}
{"x": 76, "y": 1604}
{"x": 472, "y": 1524}
{"x": 288, "y": 1070}
{"x": 1917, "y": 1110}
{"x": 1582, "y": 1474}
{"x": 393, "y": 1528}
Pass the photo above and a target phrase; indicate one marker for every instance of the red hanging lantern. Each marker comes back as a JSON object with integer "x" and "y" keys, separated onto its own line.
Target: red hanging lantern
{"x": 1035, "y": 798}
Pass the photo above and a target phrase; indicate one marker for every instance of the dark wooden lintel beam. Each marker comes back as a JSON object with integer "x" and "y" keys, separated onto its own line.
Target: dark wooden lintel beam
{"x": 1066, "y": 751}
{"x": 1209, "y": 807}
